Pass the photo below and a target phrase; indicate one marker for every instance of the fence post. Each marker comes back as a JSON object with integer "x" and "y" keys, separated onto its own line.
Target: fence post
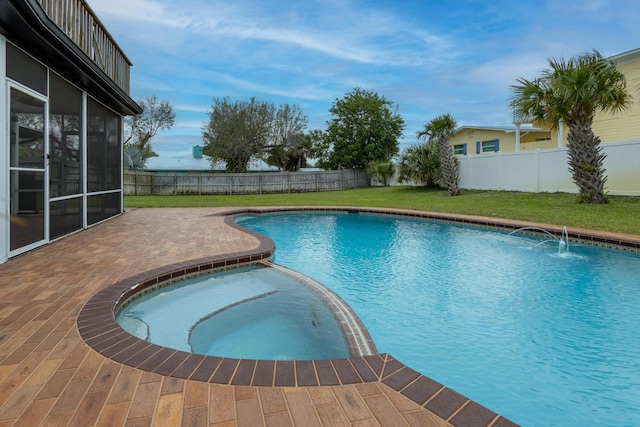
{"x": 537, "y": 161}
{"x": 500, "y": 170}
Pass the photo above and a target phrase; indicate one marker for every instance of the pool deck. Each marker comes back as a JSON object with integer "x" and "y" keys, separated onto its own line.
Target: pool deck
{"x": 49, "y": 375}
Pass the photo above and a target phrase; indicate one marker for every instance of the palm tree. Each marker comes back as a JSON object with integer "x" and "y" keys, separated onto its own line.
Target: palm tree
{"x": 381, "y": 171}
{"x": 420, "y": 164}
{"x": 439, "y": 129}
{"x": 572, "y": 92}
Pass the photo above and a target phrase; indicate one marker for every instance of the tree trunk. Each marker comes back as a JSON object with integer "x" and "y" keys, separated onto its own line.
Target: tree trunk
{"x": 448, "y": 166}
{"x": 586, "y": 159}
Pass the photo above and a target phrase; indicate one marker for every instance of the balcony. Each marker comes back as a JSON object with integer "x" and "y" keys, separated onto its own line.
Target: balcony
{"x": 76, "y": 19}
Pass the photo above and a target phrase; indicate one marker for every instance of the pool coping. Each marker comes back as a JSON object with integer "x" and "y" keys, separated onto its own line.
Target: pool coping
{"x": 98, "y": 328}
{"x": 356, "y": 334}
{"x": 357, "y": 338}
{"x": 622, "y": 241}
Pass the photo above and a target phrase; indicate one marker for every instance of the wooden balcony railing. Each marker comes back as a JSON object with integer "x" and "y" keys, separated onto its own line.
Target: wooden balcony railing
{"x": 83, "y": 27}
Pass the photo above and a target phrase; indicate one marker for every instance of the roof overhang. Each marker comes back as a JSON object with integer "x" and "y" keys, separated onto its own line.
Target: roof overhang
{"x": 626, "y": 57}
{"x": 505, "y": 129}
{"x": 25, "y": 24}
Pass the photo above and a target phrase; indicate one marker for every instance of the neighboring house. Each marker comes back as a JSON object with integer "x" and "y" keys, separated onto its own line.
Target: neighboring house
{"x": 181, "y": 162}
{"x": 64, "y": 94}
{"x": 610, "y": 127}
{"x": 495, "y": 159}
{"x": 196, "y": 162}
{"x": 624, "y": 125}
{"x": 489, "y": 139}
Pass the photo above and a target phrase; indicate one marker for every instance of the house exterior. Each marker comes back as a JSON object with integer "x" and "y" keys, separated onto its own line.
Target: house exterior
{"x": 65, "y": 92}
{"x": 181, "y": 162}
{"x": 491, "y": 139}
{"x": 610, "y": 127}
{"x": 624, "y": 125}
{"x": 513, "y": 158}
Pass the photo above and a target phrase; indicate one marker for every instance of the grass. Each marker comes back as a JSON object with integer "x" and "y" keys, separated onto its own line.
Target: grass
{"x": 621, "y": 214}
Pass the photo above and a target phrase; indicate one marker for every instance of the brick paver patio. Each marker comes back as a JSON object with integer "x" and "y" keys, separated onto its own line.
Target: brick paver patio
{"x": 50, "y": 377}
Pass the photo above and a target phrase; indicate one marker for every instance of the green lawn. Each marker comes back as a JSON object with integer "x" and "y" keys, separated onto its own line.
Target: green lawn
{"x": 621, "y": 214}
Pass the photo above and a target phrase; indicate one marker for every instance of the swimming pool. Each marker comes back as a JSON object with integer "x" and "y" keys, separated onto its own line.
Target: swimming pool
{"x": 541, "y": 337}
{"x": 252, "y": 312}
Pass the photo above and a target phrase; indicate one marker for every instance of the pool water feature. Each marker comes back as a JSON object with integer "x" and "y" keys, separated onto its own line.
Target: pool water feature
{"x": 251, "y": 312}
{"x": 563, "y": 241}
{"x": 539, "y": 336}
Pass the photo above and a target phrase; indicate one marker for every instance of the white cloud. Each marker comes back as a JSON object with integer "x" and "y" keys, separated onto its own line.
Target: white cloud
{"x": 191, "y": 108}
{"x": 139, "y": 10}
{"x": 502, "y": 72}
{"x": 427, "y": 57}
{"x": 190, "y": 124}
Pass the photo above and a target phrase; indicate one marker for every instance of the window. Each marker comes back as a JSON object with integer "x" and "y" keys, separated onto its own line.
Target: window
{"x": 488, "y": 146}
{"x": 460, "y": 149}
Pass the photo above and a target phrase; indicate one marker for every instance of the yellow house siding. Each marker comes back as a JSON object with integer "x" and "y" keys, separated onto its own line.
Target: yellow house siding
{"x": 623, "y": 125}
{"x": 506, "y": 138}
{"x": 548, "y": 143}
{"x": 610, "y": 128}
{"x": 634, "y": 126}
{"x": 470, "y": 136}
{"x": 533, "y": 140}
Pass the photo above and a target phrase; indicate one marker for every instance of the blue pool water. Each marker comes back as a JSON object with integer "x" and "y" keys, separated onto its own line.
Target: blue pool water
{"x": 541, "y": 337}
{"x": 247, "y": 313}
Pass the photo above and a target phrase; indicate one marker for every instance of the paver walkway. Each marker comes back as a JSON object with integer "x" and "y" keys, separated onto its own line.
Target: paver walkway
{"x": 50, "y": 377}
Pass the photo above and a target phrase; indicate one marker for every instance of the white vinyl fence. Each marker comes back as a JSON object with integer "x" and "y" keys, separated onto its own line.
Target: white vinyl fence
{"x": 144, "y": 183}
{"x": 547, "y": 170}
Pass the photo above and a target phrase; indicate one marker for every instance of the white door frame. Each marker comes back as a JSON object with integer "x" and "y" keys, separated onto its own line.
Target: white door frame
{"x": 10, "y": 85}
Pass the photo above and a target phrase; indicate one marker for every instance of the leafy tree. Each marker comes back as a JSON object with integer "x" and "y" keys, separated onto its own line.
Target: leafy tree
{"x": 572, "y": 91}
{"x": 237, "y": 131}
{"x": 365, "y": 128}
{"x": 156, "y": 116}
{"x": 318, "y": 146}
{"x": 420, "y": 164}
{"x": 438, "y": 130}
{"x": 286, "y": 147}
{"x": 381, "y": 171}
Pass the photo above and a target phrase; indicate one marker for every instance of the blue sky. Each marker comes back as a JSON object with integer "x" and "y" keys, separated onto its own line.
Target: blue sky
{"x": 428, "y": 57}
